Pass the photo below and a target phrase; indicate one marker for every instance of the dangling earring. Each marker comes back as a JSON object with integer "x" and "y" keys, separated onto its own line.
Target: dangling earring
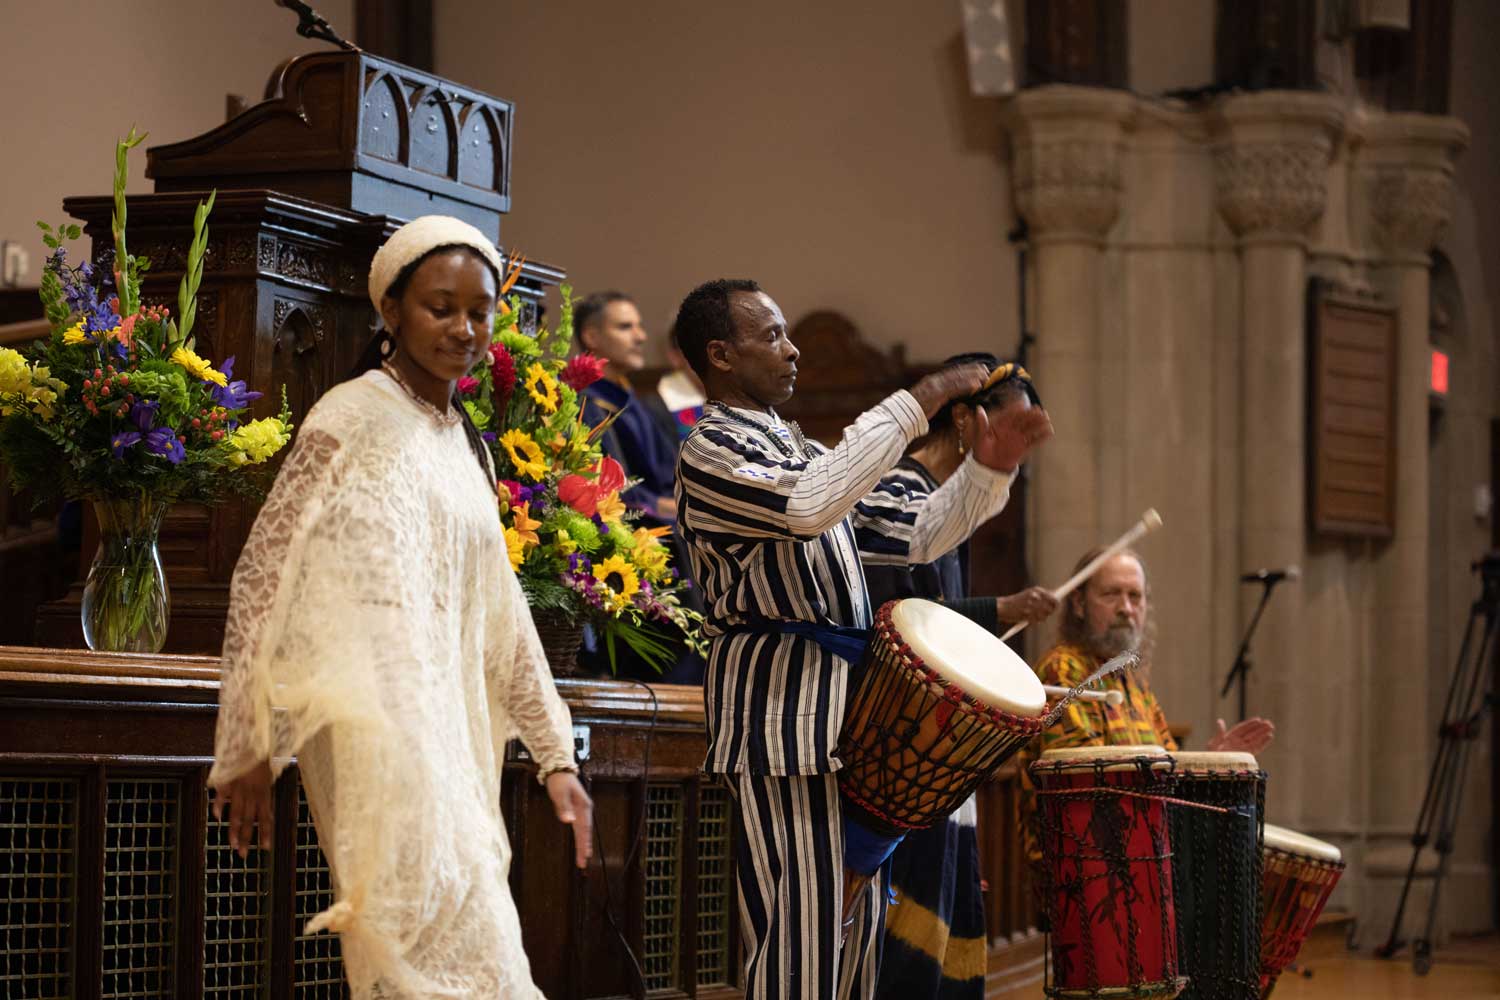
{"x": 962, "y": 447}
{"x": 387, "y": 345}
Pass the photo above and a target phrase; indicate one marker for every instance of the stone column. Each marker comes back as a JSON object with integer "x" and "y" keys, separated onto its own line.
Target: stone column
{"x": 1065, "y": 144}
{"x": 1404, "y": 193}
{"x": 1271, "y": 160}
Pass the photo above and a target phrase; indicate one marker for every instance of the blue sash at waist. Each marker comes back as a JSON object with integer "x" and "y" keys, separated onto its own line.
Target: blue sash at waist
{"x": 841, "y": 640}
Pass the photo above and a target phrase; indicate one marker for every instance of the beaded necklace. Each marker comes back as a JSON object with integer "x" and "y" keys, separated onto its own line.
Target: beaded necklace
{"x": 444, "y": 419}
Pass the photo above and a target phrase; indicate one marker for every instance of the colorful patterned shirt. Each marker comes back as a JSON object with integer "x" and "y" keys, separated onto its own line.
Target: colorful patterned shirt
{"x": 1137, "y": 720}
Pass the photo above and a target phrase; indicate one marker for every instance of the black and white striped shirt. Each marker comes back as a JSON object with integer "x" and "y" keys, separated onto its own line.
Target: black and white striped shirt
{"x": 777, "y": 527}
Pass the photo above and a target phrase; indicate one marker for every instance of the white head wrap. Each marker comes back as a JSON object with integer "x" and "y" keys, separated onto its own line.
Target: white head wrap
{"x": 418, "y": 237}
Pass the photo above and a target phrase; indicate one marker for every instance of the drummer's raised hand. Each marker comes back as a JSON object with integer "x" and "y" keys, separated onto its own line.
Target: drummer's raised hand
{"x": 1251, "y": 736}
{"x": 932, "y": 391}
{"x": 1003, "y": 442}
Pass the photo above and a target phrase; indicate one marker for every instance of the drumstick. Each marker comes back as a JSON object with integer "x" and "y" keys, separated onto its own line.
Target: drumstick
{"x": 1127, "y": 660}
{"x": 1149, "y": 521}
{"x": 1113, "y": 697}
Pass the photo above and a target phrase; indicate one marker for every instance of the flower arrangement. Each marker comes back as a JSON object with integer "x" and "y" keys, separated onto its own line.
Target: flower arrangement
{"x": 117, "y": 407}
{"x": 578, "y": 551}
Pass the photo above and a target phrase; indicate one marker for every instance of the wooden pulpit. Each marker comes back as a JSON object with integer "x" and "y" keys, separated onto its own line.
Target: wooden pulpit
{"x": 310, "y": 183}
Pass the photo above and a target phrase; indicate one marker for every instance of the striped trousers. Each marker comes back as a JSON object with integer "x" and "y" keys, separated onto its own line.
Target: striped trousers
{"x": 789, "y": 861}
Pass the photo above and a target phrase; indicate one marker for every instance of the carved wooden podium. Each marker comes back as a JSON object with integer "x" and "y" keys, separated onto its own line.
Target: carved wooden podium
{"x": 310, "y": 183}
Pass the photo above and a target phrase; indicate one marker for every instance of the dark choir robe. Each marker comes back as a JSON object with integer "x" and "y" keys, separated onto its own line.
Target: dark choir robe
{"x": 935, "y": 943}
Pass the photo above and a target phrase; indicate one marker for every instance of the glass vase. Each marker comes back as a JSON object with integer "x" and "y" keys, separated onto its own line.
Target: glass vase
{"x": 126, "y": 606}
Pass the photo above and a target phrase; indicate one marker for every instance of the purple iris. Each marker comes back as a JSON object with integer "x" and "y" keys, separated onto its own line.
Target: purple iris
{"x": 123, "y": 440}
{"x": 159, "y": 441}
{"x": 163, "y": 441}
{"x": 234, "y": 395}
{"x": 490, "y": 437}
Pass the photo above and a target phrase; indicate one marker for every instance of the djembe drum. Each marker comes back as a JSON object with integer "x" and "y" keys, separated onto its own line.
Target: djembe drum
{"x": 939, "y": 704}
{"x": 1300, "y": 873}
{"x": 1216, "y": 872}
{"x": 1106, "y": 871}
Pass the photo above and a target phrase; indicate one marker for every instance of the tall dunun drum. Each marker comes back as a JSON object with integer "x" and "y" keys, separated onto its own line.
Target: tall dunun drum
{"x": 1216, "y": 872}
{"x": 1299, "y": 875}
{"x": 938, "y": 705}
{"x": 1106, "y": 872}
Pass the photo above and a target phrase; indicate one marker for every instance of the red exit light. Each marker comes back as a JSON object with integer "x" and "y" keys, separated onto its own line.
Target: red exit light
{"x": 1439, "y": 381}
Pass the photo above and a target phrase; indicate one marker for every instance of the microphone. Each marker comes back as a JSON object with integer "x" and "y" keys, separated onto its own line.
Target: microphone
{"x": 1292, "y": 573}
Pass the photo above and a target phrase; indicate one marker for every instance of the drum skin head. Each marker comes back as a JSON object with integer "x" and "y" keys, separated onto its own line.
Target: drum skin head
{"x": 1291, "y": 842}
{"x": 964, "y": 652}
{"x": 1108, "y": 758}
{"x": 1210, "y": 760}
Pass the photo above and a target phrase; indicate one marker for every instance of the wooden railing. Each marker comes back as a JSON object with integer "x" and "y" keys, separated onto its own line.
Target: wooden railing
{"x": 115, "y": 880}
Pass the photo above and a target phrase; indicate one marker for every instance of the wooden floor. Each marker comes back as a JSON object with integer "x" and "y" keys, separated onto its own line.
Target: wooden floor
{"x": 1465, "y": 970}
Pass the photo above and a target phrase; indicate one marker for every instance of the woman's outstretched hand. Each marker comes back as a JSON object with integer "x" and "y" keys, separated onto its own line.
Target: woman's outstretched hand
{"x": 575, "y": 808}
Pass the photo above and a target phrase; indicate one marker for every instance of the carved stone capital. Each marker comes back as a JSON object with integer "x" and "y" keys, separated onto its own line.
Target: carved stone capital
{"x": 1404, "y": 168}
{"x": 1271, "y": 161}
{"x": 1065, "y": 144}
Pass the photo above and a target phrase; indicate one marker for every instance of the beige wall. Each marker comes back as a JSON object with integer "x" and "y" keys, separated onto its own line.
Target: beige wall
{"x": 76, "y": 76}
{"x": 830, "y": 152}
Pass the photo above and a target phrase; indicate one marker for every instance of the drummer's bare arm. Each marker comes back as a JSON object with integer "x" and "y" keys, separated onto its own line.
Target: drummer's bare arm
{"x": 1032, "y": 605}
{"x": 741, "y": 485}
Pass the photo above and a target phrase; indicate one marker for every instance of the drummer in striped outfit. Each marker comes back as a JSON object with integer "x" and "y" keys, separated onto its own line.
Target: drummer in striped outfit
{"x": 770, "y": 521}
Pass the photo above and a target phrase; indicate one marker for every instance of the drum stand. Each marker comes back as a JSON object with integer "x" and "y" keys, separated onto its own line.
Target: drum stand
{"x": 1463, "y": 717}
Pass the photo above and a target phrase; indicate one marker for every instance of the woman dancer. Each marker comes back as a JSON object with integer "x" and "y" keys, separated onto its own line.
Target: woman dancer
{"x": 377, "y": 632}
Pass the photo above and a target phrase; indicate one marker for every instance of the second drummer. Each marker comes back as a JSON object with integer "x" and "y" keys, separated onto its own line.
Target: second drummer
{"x": 934, "y": 939}
{"x": 770, "y": 519}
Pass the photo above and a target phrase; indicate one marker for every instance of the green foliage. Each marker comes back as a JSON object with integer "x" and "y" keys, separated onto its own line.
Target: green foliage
{"x": 187, "y": 291}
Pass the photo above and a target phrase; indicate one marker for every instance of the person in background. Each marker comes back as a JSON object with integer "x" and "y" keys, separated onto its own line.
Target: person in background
{"x": 935, "y": 945}
{"x": 608, "y": 325}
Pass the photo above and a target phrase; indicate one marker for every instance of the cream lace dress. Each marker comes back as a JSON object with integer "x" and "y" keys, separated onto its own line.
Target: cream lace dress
{"x": 377, "y": 631}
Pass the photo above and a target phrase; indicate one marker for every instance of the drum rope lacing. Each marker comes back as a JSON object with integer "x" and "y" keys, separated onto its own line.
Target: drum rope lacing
{"x": 885, "y": 771}
{"x": 1108, "y": 831}
{"x": 1216, "y": 872}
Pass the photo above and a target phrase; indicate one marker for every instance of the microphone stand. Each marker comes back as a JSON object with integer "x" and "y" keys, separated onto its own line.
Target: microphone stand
{"x": 1241, "y": 669}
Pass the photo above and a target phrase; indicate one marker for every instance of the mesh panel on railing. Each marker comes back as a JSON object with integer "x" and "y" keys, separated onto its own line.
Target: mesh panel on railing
{"x": 714, "y": 891}
{"x": 37, "y": 818}
{"x": 236, "y": 912}
{"x": 663, "y": 862}
{"x": 140, "y": 887}
{"x": 319, "y": 969}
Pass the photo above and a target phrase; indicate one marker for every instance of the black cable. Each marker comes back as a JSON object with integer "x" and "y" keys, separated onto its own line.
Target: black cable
{"x": 635, "y": 847}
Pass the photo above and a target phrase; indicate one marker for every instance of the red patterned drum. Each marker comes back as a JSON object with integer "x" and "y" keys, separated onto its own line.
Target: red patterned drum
{"x": 1299, "y": 875}
{"x": 1106, "y": 872}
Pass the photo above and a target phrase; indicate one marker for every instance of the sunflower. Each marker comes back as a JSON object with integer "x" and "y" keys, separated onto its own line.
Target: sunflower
{"x": 197, "y": 367}
{"x": 515, "y": 549}
{"x": 524, "y": 454}
{"x": 542, "y": 387}
{"x": 619, "y": 576}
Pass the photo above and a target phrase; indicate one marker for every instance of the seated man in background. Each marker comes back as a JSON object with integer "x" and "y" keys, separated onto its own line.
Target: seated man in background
{"x": 1100, "y": 620}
